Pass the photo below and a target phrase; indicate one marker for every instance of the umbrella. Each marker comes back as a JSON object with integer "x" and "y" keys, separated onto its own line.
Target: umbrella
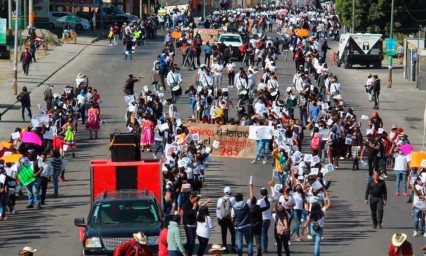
{"x": 30, "y": 137}
{"x": 11, "y": 158}
{"x": 69, "y": 19}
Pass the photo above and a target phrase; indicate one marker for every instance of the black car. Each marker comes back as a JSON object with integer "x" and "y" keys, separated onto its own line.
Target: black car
{"x": 4, "y": 52}
{"x": 115, "y": 216}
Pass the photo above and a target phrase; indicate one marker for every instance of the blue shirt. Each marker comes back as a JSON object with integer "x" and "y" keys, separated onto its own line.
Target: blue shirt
{"x": 314, "y": 111}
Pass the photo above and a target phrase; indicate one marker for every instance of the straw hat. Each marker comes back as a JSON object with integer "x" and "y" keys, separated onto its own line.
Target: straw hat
{"x": 140, "y": 237}
{"x": 216, "y": 248}
{"x": 27, "y": 249}
{"x": 398, "y": 239}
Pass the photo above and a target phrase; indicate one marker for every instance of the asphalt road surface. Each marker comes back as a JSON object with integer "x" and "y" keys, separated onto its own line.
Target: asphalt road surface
{"x": 348, "y": 229}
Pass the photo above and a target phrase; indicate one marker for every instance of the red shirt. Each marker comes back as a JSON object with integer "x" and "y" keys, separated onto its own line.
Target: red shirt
{"x": 162, "y": 243}
{"x": 404, "y": 250}
{"x": 132, "y": 248}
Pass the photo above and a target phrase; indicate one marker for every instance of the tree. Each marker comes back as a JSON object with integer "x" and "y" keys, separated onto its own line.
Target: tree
{"x": 374, "y": 16}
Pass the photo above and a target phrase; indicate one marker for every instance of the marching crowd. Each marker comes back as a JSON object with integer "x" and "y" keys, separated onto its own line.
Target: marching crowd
{"x": 295, "y": 202}
{"x": 37, "y": 153}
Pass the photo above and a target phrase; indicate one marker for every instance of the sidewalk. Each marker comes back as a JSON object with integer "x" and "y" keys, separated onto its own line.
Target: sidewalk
{"x": 46, "y": 66}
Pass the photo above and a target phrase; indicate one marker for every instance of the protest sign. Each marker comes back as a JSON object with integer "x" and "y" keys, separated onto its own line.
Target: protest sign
{"x": 233, "y": 140}
{"x": 39, "y": 120}
{"x": 26, "y": 175}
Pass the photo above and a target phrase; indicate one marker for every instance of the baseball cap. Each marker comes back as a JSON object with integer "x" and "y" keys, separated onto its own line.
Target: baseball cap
{"x": 227, "y": 190}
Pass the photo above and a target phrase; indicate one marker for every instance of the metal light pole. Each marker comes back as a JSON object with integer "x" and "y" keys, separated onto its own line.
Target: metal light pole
{"x": 390, "y": 36}
{"x": 204, "y": 10}
{"x": 353, "y": 16}
{"x": 140, "y": 10}
{"x": 9, "y": 14}
{"x": 30, "y": 13}
{"x": 15, "y": 52}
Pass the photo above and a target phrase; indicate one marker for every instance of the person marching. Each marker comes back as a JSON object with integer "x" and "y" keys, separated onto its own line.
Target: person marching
{"x": 376, "y": 194}
{"x": 94, "y": 120}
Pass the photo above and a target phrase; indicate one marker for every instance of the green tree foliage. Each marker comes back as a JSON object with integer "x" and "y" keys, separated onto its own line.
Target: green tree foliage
{"x": 373, "y": 16}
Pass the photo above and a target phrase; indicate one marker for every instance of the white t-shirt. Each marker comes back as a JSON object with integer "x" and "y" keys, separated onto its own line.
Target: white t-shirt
{"x": 218, "y": 68}
{"x": 285, "y": 203}
{"x": 204, "y": 229}
{"x": 298, "y": 200}
{"x": 266, "y": 215}
{"x": 400, "y": 163}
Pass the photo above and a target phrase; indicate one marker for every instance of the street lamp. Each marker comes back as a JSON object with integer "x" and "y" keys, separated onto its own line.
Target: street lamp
{"x": 390, "y": 57}
{"x": 15, "y": 52}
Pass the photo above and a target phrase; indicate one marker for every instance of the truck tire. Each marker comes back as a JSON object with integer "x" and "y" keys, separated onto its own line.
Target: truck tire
{"x": 377, "y": 65}
{"x": 347, "y": 65}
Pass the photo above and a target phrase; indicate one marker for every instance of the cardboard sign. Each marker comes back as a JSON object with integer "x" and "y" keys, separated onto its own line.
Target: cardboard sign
{"x": 48, "y": 135}
{"x": 364, "y": 117}
{"x": 145, "y": 88}
{"x": 315, "y": 160}
{"x": 26, "y": 175}
{"x": 164, "y": 127}
{"x": 196, "y": 136}
{"x": 39, "y": 120}
{"x": 418, "y": 159}
{"x": 317, "y": 185}
{"x": 380, "y": 130}
{"x": 324, "y": 106}
{"x": 348, "y": 141}
{"x": 314, "y": 171}
{"x": 216, "y": 144}
{"x": 129, "y": 99}
{"x": 15, "y": 135}
{"x": 233, "y": 140}
{"x": 188, "y": 138}
{"x": 307, "y": 158}
{"x": 369, "y": 131}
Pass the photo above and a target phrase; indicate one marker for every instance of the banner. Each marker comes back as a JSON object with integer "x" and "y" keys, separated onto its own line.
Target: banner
{"x": 3, "y": 24}
{"x": 233, "y": 140}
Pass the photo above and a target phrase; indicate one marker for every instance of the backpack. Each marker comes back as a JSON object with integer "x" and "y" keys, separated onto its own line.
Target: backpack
{"x": 225, "y": 208}
{"x": 316, "y": 142}
{"x": 282, "y": 227}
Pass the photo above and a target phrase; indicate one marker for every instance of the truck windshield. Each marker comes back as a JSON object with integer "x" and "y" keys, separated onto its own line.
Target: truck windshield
{"x": 124, "y": 212}
{"x": 230, "y": 39}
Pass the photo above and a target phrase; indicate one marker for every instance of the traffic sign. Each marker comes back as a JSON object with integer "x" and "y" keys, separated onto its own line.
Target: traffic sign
{"x": 390, "y": 46}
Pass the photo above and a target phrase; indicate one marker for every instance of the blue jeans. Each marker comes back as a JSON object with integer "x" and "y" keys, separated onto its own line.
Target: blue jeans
{"x": 262, "y": 146}
{"x": 398, "y": 176}
{"x": 416, "y": 223}
{"x": 182, "y": 197}
{"x": 303, "y": 113}
{"x": 158, "y": 147}
{"x": 190, "y": 239}
{"x": 33, "y": 190}
{"x": 175, "y": 253}
{"x": 264, "y": 236}
{"x": 316, "y": 235}
{"x": 246, "y": 232}
{"x": 192, "y": 105}
{"x": 55, "y": 184}
{"x": 297, "y": 218}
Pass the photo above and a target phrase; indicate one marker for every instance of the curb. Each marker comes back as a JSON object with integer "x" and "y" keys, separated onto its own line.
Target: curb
{"x": 53, "y": 73}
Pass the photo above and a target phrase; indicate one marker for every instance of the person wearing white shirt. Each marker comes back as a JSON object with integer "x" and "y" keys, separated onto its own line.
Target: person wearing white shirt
{"x": 369, "y": 86}
{"x": 259, "y": 107}
{"x": 266, "y": 216}
{"x": 261, "y": 86}
{"x": 81, "y": 104}
{"x": 217, "y": 73}
{"x": 230, "y": 68}
{"x": 226, "y": 223}
{"x": 418, "y": 204}
{"x": 204, "y": 229}
{"x": 44, "y": 176}
{"x": 173, "y": 78}
{"x": 401, "y": 167}
{"x": 240, "y": 81}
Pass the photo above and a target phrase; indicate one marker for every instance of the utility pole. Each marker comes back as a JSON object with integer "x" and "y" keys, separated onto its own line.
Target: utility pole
{"x": 9, "y": 14}
{"x": 204, "y": 10}
{"x": 353, "y": 16}
{"x": 140, "y": 10}
{"x": 30, "y": 13}
{"x": 390, "y": 36}
{"x": 15, "y": 52}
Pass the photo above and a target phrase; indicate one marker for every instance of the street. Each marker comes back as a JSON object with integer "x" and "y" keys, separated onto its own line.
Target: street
{"x": 348, "y": 229}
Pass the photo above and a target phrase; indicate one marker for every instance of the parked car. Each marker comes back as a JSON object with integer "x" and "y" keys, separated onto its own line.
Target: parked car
{"x": 53, "y": 23}
{"x": 115, "y": 216}
{"x": 4, "y": 52}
